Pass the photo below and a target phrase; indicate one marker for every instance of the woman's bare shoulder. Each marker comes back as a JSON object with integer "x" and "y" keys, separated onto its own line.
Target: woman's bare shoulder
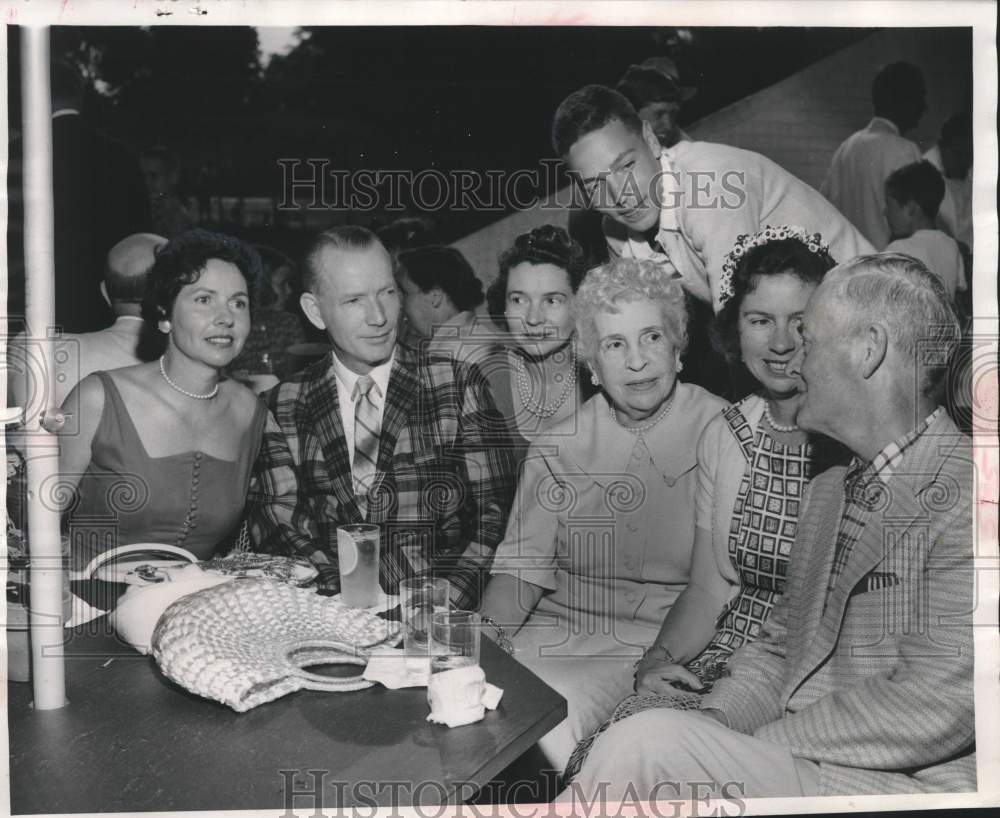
{"x": 243, "y": 402}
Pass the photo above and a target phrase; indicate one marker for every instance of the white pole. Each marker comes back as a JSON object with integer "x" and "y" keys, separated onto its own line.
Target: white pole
{"x": 46, "y": 586}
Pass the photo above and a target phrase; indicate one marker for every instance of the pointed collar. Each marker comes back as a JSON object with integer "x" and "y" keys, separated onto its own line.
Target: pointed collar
{"x": 348, "y": 379}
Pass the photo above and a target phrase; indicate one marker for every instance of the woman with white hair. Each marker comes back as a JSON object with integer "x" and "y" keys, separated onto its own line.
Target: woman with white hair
{"x": 599, "y": 540}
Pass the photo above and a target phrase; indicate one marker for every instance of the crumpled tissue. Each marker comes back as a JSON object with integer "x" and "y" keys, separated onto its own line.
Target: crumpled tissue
{"x": 461, "y": 696}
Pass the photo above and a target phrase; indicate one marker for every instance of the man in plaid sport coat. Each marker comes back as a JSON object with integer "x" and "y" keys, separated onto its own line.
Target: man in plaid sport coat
{"x": 443, "y": 480}
{"x": 861, "y": 681}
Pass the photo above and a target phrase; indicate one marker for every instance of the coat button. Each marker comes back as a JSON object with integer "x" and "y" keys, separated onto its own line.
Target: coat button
{"x": 632, "y": 527}
{"x": 669, "y": 481}
{"x": 630, "y": 564}
{"x": 629, "y": 596}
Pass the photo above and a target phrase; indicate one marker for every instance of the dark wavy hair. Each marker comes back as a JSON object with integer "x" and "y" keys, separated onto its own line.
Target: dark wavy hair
{"x": 446, "y": 268}
{"x": 918, "y": 182}
{"x": 182, "y": 260}
{"x": 547, "y": 244}
{"x": 588, "y": 110}
{"x": 774, "y": 258}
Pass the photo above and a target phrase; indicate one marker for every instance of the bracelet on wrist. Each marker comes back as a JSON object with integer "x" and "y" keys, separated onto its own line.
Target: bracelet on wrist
{"x": 502, "y": 640}
{"x": 656, "y": 647}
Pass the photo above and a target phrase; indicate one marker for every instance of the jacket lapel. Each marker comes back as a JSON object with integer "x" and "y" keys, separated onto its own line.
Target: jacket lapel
{"x": 915, "y": 471}
{"x": 820, "y": 531}
{"x": 401, "y": 397}
{"x": 324, "y": 406}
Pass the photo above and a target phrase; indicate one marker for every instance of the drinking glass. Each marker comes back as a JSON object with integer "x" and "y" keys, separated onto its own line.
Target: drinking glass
{"x": 454, "y": 640}
{"x": 419, "y": 599}
{"x": 358, "y": 556}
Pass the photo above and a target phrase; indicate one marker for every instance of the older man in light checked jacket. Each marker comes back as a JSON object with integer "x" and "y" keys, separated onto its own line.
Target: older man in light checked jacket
{"x": 862, "y": 682}
{"x": 378, "y": 433}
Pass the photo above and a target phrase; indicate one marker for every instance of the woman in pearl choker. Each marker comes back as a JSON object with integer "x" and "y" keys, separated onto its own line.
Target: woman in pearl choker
{"x": 161, "y": 452}
{"x": 753, "y": 464}
{"x": 598, "y": 545}
{"x": 534, "y": 373}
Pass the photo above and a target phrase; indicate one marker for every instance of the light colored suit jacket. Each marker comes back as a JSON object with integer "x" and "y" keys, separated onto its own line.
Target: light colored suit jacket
{"x": 711, "y": 195}
{"x": 874, "y": 681}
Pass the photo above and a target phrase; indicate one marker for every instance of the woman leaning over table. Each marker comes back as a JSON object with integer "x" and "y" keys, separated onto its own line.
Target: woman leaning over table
{"x": 753, "y": 466}
{"x": 161, "y": 452}
{"x": 599, "y": 540}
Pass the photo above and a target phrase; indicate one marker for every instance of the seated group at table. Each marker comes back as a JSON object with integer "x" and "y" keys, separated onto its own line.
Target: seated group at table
{"x": 775, "y": 592}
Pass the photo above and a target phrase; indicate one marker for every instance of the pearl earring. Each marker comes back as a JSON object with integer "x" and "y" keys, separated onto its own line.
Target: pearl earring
{"x": 594, "y": 379}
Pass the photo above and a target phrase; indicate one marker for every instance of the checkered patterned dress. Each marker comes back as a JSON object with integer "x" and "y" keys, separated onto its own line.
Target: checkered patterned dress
{"x": 761, "y": 536}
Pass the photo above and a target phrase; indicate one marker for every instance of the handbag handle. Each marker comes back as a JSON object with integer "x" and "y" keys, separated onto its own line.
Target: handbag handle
{"x": 322, "y": 652}
{"x": 118, "y": 552}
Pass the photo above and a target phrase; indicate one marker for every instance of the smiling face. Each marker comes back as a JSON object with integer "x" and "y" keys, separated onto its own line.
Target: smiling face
{"x": 619, "y": 171}
{"x": 210, "y": 319}
{"x": 357, "y": 303}
{"x": 539, "y": 307}
{"x": 769, "y": 323}
{"x": 635, "y": 361}
{"x": 823, "y": 365}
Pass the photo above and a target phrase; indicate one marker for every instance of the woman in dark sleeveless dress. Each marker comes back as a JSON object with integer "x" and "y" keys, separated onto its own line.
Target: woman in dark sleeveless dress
{"x": 161, "y": 452}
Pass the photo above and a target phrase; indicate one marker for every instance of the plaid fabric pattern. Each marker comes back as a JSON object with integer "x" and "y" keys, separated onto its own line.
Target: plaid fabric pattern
{"x": 366, "y": 435}
{"x": 864, "y": 492}
{"x": 442, "y": 489}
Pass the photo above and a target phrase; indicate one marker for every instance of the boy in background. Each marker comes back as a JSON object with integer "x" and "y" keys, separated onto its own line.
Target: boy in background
{"x": 913, "y": 195}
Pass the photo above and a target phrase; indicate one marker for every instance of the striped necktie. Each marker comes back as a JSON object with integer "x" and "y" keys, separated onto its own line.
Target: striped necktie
{"x": 366, "y": 435}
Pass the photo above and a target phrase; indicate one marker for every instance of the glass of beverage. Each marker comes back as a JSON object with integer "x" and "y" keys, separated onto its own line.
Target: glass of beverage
{"x": 454, "y": 640}
{"x": 419, "y": 598}
{"x": 358, "y": 555}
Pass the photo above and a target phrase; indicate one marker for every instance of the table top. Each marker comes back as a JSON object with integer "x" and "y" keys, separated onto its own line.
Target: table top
{"x": 132, "y": 740}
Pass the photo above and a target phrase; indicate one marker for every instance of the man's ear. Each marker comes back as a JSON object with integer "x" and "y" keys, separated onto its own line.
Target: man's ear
{"x": 436, "y": 296}
{"x": 310, "y": 306}
{"x": 875, "y": 346}
{"x": 650, "y": 139}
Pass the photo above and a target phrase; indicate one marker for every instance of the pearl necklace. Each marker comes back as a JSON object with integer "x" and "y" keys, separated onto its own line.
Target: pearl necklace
{"x": 539, "y": 408}
{"x": 194, "y": 395}
{"x": 777, "y": 426}
{"x": 638, "y": 430}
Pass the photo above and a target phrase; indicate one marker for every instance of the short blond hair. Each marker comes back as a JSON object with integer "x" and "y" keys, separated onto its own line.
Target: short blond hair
{"x": 624, "y": 280}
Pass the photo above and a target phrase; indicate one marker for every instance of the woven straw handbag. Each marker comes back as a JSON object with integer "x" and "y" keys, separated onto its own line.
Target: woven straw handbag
{"x": 249, "y": 641}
